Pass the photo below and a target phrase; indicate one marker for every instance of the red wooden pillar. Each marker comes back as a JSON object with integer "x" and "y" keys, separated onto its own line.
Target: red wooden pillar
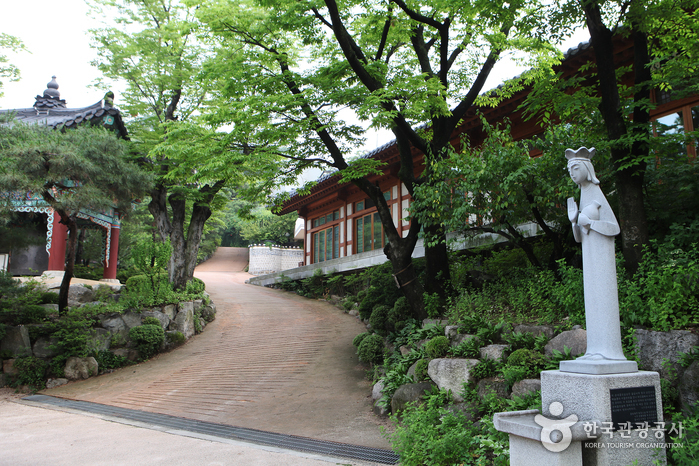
{"x": 110, "y": 269}
{"x": 57, "y": 252}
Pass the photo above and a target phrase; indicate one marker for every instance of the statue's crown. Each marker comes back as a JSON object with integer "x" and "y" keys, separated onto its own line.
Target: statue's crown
{"x": 581, "y": 153}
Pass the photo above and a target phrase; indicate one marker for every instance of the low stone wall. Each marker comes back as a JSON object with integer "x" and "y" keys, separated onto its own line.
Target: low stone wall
{"x": 271, "y": 259}
{"x": 179, "y": 321}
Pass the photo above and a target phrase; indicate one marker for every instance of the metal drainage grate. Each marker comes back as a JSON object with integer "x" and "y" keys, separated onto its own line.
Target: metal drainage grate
{"x": 291, "y": 442}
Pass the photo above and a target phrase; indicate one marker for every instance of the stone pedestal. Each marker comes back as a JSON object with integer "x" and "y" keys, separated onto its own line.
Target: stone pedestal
{"x": 589, "y": 397}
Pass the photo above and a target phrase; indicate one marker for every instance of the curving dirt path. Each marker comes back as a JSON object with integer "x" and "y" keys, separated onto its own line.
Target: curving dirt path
{"x": 271, "y": 360}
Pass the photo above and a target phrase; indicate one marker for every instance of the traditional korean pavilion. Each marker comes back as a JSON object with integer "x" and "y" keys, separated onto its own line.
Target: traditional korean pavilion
{"x": 50, "y": 110}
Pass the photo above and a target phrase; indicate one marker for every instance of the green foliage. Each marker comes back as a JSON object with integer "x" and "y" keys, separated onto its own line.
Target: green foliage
{"x": 150, "y": 321}
{"x": 421, "y": 370}
{"x": 74, "y": 332}
{"x": 429, "y": 433}
{"x": 381, "y": 289}
{"x": 468, "y": 348}
{"x": 246, "y": 224}
{"x": 379, "y": 319}
{"x": 106, "y": 361}
{"x": 519, "y": 340}
{"x": 664, "y": 293}
{"x": 400, "y": 313}
{"x": 314, "y": 285}
{"x": 371, "y": 349}
{"x": 49, "y": 297}
{"x": 433, "y": 305}
{"x": 148, "y": 339}
{"x": 524, "y": 357}
{"x": 688, "y": 455}
{"x": 31, "y": 371}
{"x": 20, "y": 303}
{"x": 176, "y": 338}
{"x": 486, "y": 367}
{"x": 558, "y": 356}
{"x": 143, "y": 291}
{"x": 151, "y": 258}
{"x": 7, "y": 69}
{"x": 437, "y": 347}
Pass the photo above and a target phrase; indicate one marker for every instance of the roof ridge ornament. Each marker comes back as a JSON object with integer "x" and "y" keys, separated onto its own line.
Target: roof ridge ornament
{"x": 51, "y": 97}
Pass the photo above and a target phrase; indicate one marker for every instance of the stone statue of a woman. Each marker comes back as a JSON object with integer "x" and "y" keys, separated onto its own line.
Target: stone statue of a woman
{"x": 595, "y": 226}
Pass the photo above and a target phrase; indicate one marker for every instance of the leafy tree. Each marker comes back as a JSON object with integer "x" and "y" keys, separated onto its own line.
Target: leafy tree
{"x": 664, "y": 36}
{"x": 247, "y": 225}
{"x": 7, "y": 69}
{"x": 416, "y": 68}
{"x": 75, "y": 170}
{"x": 159, "y": 53}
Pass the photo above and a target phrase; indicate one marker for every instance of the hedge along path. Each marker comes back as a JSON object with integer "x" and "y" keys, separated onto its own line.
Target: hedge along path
{"x": 271, "y": 360}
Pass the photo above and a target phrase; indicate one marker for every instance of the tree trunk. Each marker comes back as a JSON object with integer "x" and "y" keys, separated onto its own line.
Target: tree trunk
{"x": 176, "y": 266}
{"x": 70, "y": 222}
{"x": 629, "y": 181}
{"x": 404, "y": 273}
{"x": 437, "y": 274}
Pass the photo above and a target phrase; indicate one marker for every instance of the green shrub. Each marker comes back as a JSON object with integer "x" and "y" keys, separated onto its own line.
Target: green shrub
{"x": 520, "y": 341}
{"x": 358, "y": 339}
{"x": 150, "y": 321}
{"x": 148, "y": 339}
{"x": 523, "y": 357}
{"x": 49, "y": 297}
{"x": 421, "y": 370}
{"x": 400, "y": 313}
{"x": 379, "y": 319}
{"x": 107, "y": 360}
{"x": 486, "y": 367}
{"x": 314, "y": 285}
{"x": 176, "y": 338}
{"x": 437, "y": 347}
{"x": 30, "y": 371}
{"x": 371, "y": 349}
{"x": 688, "y": 455}
{"x": 30, "y": 314}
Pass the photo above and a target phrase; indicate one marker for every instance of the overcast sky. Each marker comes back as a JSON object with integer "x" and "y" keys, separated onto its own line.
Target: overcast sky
{"x": 56, "y": 34}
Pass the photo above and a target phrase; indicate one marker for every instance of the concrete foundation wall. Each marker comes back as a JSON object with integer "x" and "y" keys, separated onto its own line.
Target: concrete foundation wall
{"x": 371, "y": 258}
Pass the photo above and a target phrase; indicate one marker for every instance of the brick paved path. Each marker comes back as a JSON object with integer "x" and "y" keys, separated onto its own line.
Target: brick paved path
{"x": 271, "y": 360}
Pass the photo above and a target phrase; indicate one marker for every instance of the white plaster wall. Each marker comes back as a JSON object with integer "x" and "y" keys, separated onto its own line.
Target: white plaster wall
{"x": 265, "y": 260}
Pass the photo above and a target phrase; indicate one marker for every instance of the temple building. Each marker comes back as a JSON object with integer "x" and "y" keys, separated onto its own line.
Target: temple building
{"x": 40, "y": 219}
{"x": 340, "y": 225}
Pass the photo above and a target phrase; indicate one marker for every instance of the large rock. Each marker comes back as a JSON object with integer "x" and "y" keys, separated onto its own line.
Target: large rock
{"x": 79, "y": 294}
{"x": 42, "y": 347}
{"x": 80, "y": 368}
{"x": 379, "y": 409}
{"x": 494, "y": 352}
{"x": 8, "y": 367}
{"x": 101, "y": 339}
{"x": 653, "y": 348}
{"x": 184, "y": 320}
{"x": 689, "y": 386}
{"x": 450, "y": 331}
{"x": 408, "y": 393}
{"x": 162, "y": 318}
{"x": 128, "y": 353}
{"x": 376, "y": 391}
{"x": 525, "y": 386}
{"x": 460, "y": 338}
{"x": 170, "y": 310}
{"x": 115, "y": 324}
{"x": 492, "y": 385}
{"x": 576, "y": 340}
{"x": 132, "y": 319}
{"x": 451, "y": 374}
{"x": 53, "y": 383}
{"x": 16, "y": 341}
{"x": 208, "y": 313}
{"x": 535, "y": 329}
{"x": 199, "y": 303}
